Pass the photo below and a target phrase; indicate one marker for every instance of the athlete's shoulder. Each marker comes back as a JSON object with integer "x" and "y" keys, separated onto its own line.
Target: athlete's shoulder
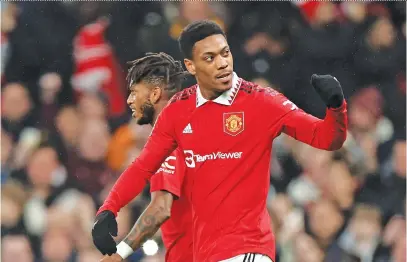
{"x": 184, "y": 95}
{"x": 254, "y": 89}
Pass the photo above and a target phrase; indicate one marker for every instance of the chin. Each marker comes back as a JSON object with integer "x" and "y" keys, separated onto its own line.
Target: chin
{"x": 143, "y": 121}
{"x": 224, "y": 86}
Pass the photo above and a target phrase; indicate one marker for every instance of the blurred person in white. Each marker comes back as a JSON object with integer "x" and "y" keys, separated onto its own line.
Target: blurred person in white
{"x": 67, "y": 229}
{"x": 16, "y": 248}
{"x": 47, "y": 181}
{"x": 17, "y": 109}
{"x": 362, "y": 235}
{"x": 19, "y": 120}
{"x": 289, "y": 217}
{"x": 71, "y": 212}
{"x": 91, "y": 171}
{"x": 308, "y": 187}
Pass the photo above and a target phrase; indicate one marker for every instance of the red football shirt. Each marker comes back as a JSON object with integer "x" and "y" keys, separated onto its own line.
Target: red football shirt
{"x": 226, "y": 144}
{"x": 176, "y": 231}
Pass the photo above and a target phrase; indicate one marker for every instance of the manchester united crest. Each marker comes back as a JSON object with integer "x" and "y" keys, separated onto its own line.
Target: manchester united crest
{"x": 233, "y": 123}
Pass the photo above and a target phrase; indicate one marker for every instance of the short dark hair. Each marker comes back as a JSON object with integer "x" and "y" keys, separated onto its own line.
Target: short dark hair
{"x": 195, "y": 32}
{"x": 157, "y": 69}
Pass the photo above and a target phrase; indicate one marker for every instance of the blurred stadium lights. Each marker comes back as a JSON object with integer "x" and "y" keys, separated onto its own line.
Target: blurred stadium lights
{"x": 150, "y": 248}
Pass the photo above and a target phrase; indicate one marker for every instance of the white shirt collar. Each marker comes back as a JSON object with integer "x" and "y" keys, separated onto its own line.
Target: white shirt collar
{"x": 226, "y": 98}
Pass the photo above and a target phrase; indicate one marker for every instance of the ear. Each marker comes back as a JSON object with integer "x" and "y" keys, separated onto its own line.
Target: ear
{"x": 156, "y": 94}
{"x": 190, "y": 66}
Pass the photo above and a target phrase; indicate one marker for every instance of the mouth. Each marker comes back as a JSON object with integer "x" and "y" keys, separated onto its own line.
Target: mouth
{"x": 224, "y": 76}
{"x": 133, "y": 112}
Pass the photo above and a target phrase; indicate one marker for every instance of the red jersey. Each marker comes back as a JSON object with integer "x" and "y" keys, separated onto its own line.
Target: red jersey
{"x": 176, "y": 231}
{"x": 226, "y": 144}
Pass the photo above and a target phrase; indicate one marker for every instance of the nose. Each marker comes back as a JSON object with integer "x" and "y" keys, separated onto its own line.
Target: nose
{"x": 130, "y": 99}
{"x": 221, "y": 62}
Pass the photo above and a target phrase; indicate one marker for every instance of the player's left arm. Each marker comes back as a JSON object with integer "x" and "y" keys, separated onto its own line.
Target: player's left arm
{"x": 165, "y": 186}
{"x": 156, "y": 213}
{"x": 328, "y": 133}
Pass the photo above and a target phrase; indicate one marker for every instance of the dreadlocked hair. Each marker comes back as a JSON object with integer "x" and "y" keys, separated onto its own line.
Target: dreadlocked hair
{"x": 158, "y": 69}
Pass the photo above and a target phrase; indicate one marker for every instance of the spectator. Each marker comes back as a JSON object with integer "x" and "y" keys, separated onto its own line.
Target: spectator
{"x": 16, "y": 248}
{"x": 91, "y": 172}
{"x": 17, "y": 108}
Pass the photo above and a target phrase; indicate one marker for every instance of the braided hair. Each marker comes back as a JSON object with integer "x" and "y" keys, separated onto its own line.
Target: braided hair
{"x": 158, "y": 69}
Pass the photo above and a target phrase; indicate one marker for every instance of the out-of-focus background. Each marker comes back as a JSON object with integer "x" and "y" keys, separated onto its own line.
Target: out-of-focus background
{"x": 66, "y": 134}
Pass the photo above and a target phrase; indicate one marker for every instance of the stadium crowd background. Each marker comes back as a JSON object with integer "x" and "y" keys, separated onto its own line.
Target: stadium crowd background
{"x": 67, "y": 134}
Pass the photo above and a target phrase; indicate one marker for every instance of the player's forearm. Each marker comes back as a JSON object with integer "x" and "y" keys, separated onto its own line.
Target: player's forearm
{"x": 327, "y": 134}
{"x": 331, "y": 132}
{"x": 157, "y": 212}
{"x": 129, "y": 185}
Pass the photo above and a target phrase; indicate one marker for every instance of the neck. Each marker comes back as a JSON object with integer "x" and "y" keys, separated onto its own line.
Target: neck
{"x": 158, "y": 108}
{"x": 208, "y": 93}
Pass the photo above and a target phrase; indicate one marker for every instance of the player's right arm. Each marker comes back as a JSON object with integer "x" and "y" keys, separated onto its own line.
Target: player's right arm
{"x": 133, "y": 180}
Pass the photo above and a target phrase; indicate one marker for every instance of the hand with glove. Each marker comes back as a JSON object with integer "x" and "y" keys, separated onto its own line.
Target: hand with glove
{"x": 103, "y": 231}
{"x": 329, "y": 89}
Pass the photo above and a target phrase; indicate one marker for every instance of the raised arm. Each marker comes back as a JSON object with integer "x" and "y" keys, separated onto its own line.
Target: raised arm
{"x": 328, "y": 133}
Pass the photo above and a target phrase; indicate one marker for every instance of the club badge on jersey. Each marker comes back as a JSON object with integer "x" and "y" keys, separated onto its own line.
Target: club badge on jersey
{"x": 233, "y": 123}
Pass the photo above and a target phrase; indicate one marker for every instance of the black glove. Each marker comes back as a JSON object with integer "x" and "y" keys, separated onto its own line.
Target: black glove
{"x": 329, "y": 89}
{"x": 103, "y": 230}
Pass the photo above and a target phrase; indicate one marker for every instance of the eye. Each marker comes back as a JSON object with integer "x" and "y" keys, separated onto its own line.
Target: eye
{"x": 208, "y": 58}
{"x": 226, "y": 52}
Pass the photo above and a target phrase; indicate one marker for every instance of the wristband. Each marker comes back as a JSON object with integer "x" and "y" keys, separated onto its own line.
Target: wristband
{"x": 124, "y": 250}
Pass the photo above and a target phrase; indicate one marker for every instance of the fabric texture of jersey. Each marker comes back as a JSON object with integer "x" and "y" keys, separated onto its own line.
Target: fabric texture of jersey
{"x": 177, "y": 230}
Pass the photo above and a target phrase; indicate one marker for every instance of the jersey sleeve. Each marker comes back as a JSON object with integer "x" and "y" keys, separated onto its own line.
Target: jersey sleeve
{"x": 132, "y": 181}
{"x": 170, "y": 175}
{"x": 327, "y": 134}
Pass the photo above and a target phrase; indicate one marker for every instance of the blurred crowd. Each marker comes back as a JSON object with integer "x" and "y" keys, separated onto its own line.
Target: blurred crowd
{"x": 66, "y": 134}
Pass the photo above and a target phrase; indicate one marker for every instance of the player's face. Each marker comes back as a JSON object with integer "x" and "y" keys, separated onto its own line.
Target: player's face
{"x": 212, "y": 63}
{"x": 139, "y": 102}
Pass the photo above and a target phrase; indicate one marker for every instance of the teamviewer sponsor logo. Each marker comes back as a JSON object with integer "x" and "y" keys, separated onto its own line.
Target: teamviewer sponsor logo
{"x": 191, "y": 158}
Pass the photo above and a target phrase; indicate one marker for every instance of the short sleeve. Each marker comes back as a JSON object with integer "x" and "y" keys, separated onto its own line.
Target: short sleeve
{"x": 170, "y": 175}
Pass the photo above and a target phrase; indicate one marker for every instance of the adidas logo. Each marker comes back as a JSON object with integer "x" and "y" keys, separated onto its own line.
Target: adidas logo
{"x": 187, "y": 129}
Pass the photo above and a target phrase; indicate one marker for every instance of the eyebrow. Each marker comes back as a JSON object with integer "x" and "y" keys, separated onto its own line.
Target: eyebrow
{"x": 212, "y": 53}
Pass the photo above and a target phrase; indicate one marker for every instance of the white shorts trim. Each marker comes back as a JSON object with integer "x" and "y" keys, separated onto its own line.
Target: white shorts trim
{"x": 249, "y": 257}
